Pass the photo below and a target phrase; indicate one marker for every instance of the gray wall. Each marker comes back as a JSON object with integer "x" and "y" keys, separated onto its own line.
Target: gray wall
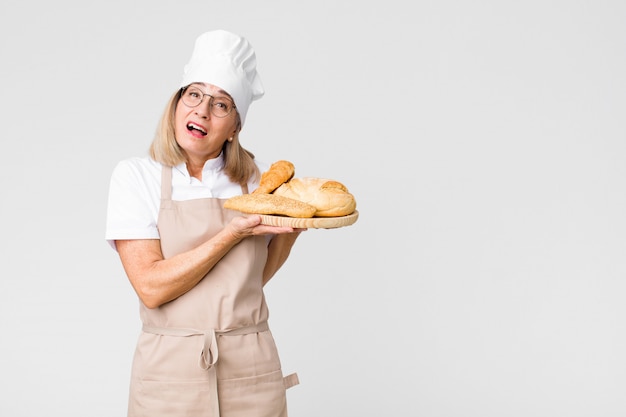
{"x": 485, "y": 144}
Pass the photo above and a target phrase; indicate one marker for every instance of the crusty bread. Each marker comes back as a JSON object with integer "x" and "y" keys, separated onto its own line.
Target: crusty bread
{"x": 278, "y": 173}
{"x": 270, "y": 204}
{"x": 330, "y": 198}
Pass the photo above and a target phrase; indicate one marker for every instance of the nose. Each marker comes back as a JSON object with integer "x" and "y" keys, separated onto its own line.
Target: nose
{"x": 204, "y": 108}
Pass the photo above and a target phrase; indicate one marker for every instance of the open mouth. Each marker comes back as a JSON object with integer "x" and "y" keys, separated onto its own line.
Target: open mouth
{"x": 192, "y": 127}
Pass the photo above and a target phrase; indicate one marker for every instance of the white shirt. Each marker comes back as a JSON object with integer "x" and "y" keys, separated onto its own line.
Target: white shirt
{"x": 135, "y": 194}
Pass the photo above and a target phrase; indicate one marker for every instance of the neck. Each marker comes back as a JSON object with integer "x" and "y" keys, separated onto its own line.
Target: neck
{"x": 195, "y": 168}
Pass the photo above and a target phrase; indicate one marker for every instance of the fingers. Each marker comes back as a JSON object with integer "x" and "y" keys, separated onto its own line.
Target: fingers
{"x": 263, "y": 229}
{"x": 250, "y": 225}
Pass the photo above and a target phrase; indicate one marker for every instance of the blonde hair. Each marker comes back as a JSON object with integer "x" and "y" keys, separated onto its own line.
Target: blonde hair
{"x": 239, "y": 163}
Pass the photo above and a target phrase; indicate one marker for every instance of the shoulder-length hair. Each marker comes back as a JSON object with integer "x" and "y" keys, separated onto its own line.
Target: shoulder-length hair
{"x": 239, "y": 163}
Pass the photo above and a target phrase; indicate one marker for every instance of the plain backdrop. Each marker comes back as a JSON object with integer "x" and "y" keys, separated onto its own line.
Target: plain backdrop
{"x": 484, "y": 141}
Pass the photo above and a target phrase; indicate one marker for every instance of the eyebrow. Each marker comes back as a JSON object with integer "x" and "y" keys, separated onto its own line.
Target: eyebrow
{"x": 219, "y": 90}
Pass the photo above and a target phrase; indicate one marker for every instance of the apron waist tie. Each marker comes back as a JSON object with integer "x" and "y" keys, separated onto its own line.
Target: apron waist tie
{"x": 210, "y": 353}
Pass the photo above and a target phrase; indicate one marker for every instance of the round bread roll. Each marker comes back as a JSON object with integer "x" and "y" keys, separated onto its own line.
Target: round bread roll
{"x": 329, "y": 197}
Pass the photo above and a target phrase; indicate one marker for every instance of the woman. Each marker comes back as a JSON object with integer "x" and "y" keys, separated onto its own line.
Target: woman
{"x": 205, "y": 348}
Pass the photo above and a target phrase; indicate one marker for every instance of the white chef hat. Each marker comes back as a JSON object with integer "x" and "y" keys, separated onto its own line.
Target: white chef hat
{"x": 227, "y": 61}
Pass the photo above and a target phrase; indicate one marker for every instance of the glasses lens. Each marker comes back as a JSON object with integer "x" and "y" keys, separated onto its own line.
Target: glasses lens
{"x": 192, "y": 96}
{"x": 221, "y": 106}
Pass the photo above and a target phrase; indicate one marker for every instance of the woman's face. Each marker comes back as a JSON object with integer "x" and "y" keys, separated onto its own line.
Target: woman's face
{"x": 198, "y": 131}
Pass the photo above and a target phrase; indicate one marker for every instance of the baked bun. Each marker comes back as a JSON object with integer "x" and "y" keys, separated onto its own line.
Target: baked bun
{"x": 329, "y": 197}
{"x": 270, "y": 204}
{"x": 279, "y": 173}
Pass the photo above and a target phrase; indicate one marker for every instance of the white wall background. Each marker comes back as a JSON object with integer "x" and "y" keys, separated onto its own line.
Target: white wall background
{"x": 485, "y": 142}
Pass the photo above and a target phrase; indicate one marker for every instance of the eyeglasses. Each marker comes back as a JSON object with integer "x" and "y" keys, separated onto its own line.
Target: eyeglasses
{"x": 220, "y": 106}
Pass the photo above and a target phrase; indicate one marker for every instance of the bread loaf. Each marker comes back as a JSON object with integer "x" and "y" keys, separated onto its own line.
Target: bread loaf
{"x": 270, "y": 204}
{"x": 329, "y": 197}
{"x": 278, "y": 173}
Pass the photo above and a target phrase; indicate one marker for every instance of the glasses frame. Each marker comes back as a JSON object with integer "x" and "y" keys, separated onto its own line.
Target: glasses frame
{"x": 211, "y": 98}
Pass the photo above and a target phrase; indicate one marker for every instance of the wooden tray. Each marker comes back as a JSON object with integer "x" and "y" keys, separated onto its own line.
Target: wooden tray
{"x": 310, "y": 223}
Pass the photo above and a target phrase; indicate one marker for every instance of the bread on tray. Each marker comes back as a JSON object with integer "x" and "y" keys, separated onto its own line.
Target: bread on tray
{"x": 270, "y": 204}
{"x": 279, "y": 193}
{"x": 278, "y": 173}
{"x": 330, "y": 198}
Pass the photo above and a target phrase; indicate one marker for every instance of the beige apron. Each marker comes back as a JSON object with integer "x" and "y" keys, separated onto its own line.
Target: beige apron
{"x": 209, "y": 352}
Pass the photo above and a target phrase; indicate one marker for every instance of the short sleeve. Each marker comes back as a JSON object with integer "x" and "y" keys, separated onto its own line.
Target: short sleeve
{"x": 133, "y": 201}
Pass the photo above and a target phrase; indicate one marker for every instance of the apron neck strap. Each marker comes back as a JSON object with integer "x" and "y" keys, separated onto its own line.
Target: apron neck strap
{"x": 166, "y": 183}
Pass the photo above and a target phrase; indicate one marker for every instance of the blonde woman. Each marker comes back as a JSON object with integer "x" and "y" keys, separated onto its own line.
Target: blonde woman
{"x": 205, "y": 348}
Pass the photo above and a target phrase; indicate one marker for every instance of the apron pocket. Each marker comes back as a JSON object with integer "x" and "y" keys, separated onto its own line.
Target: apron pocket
{"x": 265, "y": 394}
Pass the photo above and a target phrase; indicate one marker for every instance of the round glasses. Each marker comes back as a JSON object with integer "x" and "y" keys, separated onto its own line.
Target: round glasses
{"x": 220, "y": 106}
